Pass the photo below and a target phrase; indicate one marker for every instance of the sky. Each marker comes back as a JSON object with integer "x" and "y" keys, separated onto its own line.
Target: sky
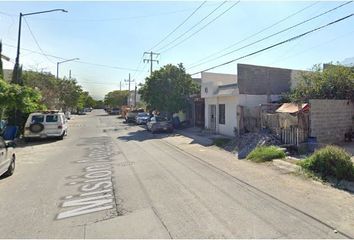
{"x": 110, "y": 38}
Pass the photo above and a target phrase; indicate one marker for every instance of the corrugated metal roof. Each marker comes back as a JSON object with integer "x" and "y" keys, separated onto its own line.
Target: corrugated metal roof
{"x": 292, "y": 108}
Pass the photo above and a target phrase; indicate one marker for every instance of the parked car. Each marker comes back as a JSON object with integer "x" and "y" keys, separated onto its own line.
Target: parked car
{"x": 7, "y": 158}
{"x": 142, "y": 118}
{"x": 45, "y": 125}
{"x": 114, "y": 111}
{"x": 130, "y": 116}
{"x": 157, "y": 124}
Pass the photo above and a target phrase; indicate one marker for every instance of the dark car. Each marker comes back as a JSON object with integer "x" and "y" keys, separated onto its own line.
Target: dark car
{"x": 158, "y": 124}
{"x": 142, "y": 118}
{"x": 114, "y": 111}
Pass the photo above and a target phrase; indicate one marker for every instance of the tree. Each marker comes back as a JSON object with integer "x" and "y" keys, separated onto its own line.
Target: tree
{"x": 168, "y": 89}
{"x": 333, "y": 82}
{"x": 1, "y": 68}
{"x": 70, "y": 93}
{"x": 18, "y": 101}
{"x": 47, "y": 84}
{"x": 116, "y": 98}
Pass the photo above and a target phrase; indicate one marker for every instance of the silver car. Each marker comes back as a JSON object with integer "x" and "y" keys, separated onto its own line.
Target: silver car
{"x": 7, "y": 158}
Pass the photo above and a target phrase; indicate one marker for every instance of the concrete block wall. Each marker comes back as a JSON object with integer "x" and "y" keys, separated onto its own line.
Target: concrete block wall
{"x": 330, "y": 119}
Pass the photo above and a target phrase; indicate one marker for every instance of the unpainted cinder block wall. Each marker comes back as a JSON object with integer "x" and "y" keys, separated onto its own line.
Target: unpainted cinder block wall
{"x": 330, "y": 119}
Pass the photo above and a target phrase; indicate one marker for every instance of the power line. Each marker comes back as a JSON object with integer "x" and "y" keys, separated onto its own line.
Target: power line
{"x": 138, "y": 67}
{"x": 35, "y": 40}
{"x": 255, "y": 34}
{"x": 191, "y": 35}
{"x": 120, "y": 18}
{"x": 277, "y": 44}
{"x": 181, "y": 24}
{"x": 312, "y": 47}
{"x": 82, "y": 62}
{"x": 190, "y": 29}
{"x": 272, "y": 35}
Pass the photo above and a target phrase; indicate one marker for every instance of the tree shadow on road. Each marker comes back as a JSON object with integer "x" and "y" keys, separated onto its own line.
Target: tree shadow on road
{"x": 35, "y": 142}
{"x": 142, "y": 135}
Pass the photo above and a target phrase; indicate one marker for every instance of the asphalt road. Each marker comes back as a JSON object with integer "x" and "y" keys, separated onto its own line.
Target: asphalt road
{"x": 107, "y": 179}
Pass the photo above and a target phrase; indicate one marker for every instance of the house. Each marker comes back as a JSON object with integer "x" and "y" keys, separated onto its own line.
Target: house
{"x": 220, "y": 94}
{"x": 232, "y": 102}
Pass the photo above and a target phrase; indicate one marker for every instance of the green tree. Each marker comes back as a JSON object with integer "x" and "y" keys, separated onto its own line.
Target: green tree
{"x": 47, "y": 84}
{"x": 333, "y": 82}
{"x": 1, "y": 68}
{"x": 98, "y": 104}
{"x": 18, "y": 101}
{"x": 168, "y": 89}
{"x": 116, "y": 98}
{"x": 70, "y": 93}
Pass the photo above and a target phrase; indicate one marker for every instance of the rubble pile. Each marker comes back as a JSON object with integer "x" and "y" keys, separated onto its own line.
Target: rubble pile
{"x": 249, "y": 141}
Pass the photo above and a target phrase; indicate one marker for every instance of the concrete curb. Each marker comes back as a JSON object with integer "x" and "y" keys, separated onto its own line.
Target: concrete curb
{"x": 290, "y": 168}
{"x": 343, "y": 184}
{"x": 284, "y": 165}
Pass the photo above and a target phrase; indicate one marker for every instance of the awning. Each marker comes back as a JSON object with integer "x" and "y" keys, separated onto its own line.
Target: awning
{"x": 292, "y": 108}
{"x": 227, "y": 90}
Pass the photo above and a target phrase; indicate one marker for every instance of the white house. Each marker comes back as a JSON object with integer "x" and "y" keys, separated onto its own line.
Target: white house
{"x": 231, "y": 101}
{"x": 220, "y": 94}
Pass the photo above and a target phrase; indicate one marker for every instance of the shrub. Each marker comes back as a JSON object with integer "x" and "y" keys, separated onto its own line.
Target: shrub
{"x": 265, "y": 153}
{"x": 330, "y": 161}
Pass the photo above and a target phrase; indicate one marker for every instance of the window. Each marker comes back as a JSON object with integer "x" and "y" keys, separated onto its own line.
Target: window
{"x": 51, "y": 118}
{"x": 37, "y": 119}
{"x": 221, "y": 113}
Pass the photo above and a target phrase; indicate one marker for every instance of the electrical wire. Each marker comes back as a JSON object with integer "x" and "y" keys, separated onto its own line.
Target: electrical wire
{"x": 190, "y": 29}
{"x": 191, "y": 35}
{"x": 82, "y": 62}
{"x": 277, "y": 44}
{"x": 274, "y": 34}
{"x": 180, "y": 25}
{"x": 255, "y": 34}
{"x": 35, "y": 40}
{"x": 120, "y": 18}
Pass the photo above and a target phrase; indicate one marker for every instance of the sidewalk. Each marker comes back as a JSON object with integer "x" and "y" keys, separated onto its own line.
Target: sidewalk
{"x": 199, "y": 136}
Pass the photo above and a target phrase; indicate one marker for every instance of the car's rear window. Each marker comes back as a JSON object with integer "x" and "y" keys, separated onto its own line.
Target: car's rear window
{"x": 37, "y": 119}
{"x": 161, "y": 119}
{"x": 51, "y": 118}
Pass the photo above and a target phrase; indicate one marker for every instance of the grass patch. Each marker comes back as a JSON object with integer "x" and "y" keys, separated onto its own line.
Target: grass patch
{"x": 265, "y": 153}
{"x": 330, "y": 161}
{"x": 221, "y": 142}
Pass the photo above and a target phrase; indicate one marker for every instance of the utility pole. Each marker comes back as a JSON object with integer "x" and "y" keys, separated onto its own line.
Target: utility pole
{"x": 135, "y": 95}
{"x": 129, "y": 81}
{"x": 120, "y": 86}
{"x": 150, "y": 60}
{"x": 70, "y": 74}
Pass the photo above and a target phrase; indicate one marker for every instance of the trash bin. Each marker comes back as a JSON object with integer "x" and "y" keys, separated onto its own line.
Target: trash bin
{"x": 312, "y": 143}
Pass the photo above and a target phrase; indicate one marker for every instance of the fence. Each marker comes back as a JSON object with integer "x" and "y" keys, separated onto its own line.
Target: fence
{"x": 293, "y": 135}
{"x": 291, "y": 129}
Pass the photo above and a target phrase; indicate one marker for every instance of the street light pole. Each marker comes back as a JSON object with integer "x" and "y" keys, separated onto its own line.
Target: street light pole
{"x": 73, "y": 59}
{"x": 17, "y": 61}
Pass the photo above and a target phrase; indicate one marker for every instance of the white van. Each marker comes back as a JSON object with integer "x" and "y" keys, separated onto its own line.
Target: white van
{"x": 46, "y": 124}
